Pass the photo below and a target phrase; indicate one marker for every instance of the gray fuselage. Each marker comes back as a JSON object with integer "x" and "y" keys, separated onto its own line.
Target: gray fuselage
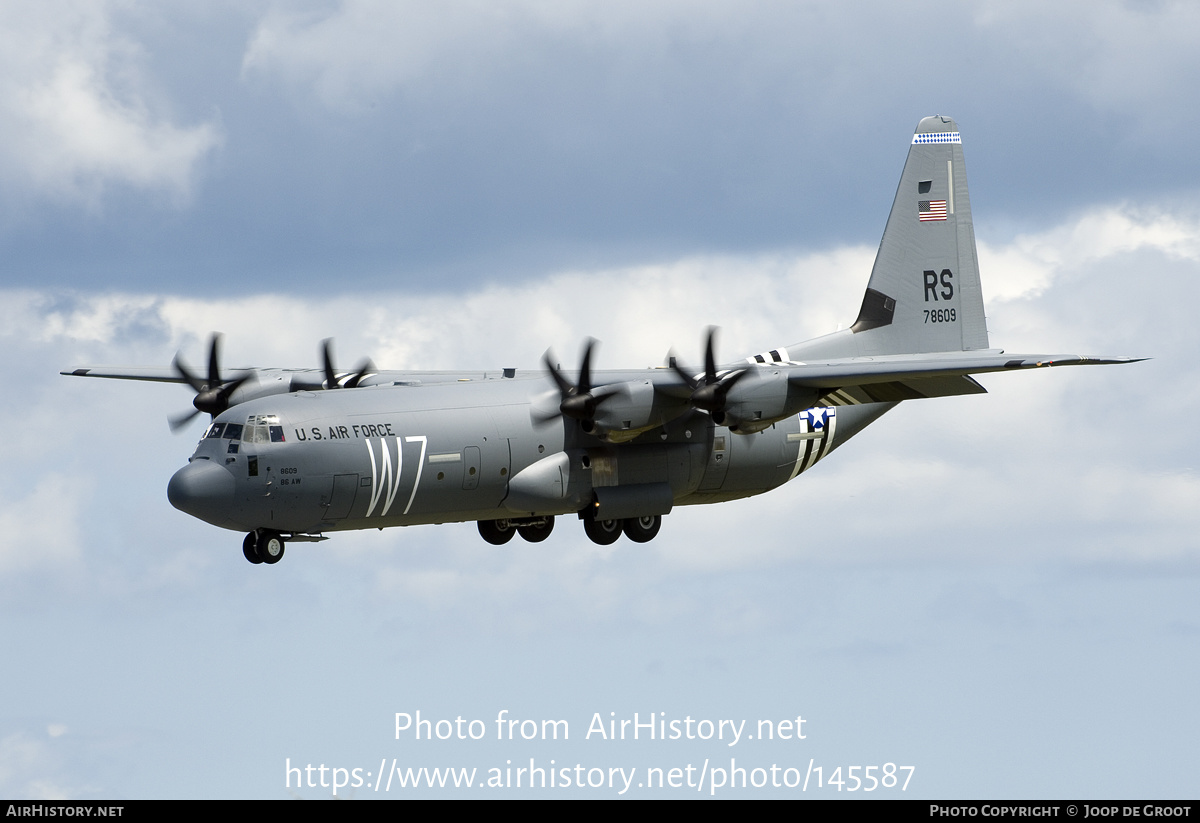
{"x": 475, "y": 449}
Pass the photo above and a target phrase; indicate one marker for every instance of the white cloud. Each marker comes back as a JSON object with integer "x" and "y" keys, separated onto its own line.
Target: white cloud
{"x": 25, "y": 762}
{"x": 41, "y": 528}
{"x": 1028, "y": 264}
{"x": 80, "y": 113}
{"x": 363, "y": 48}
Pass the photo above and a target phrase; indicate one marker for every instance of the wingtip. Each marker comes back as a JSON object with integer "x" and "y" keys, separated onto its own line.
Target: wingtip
{"x": 1114, "y": 361}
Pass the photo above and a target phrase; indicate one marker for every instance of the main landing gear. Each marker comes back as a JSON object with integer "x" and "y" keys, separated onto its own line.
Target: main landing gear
{"x": 532, "y": 529}
{"x": 603, "y": 532}
{"x": 637, "y": 529}
{"x": 642, "y": 529}
{"x": 263, "y": 546}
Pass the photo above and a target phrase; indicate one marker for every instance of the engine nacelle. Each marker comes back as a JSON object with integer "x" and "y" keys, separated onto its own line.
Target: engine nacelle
{"x": 262, "y": 383}
{"x": 633, "y": 408}
{"x": 763, "y": 398}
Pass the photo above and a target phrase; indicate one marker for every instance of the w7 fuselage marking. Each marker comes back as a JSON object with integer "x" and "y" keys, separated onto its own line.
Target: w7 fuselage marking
{"x": 380, "y": 481}
{"x": 382, "y": 478}
{"x": 424, "y": 441}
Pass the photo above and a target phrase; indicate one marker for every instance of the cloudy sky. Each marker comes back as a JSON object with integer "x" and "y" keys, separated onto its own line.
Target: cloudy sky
{"x": 999, "y": 591}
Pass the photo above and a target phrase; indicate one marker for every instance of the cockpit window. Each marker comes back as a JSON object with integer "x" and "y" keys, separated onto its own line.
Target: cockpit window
{"x": 233, "y": 431}
{"x": 262, "y": 428}
{"x": 215, "y": 430}
{"x": 254, "y": 434}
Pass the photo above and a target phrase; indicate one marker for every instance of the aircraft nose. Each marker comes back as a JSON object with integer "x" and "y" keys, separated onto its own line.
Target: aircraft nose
{"x": 203, "y": 489}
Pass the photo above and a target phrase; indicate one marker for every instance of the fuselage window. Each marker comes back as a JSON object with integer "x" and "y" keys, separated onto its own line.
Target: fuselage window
{"x": 276, "y": 434}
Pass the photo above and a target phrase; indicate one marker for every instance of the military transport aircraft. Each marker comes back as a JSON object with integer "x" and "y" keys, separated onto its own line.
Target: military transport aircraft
{"x": 294, "y": 453}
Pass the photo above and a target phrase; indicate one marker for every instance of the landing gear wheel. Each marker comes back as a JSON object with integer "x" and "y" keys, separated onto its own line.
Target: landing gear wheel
{"x": 270, "y": 547}
{"x": 250, "y": 548}
{"x": 497, "y": 532}
{"x": 643, "y": 529}
{"x": 603, "y": 532}
{"x": 536, "y": 532}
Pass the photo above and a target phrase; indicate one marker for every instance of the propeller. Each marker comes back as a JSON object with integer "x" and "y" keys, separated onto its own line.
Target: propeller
{"x": 212, "y": 393}
{"x": 579, "y": 400}
{"x": 365, "y": 368}
{"x": 710, "y": 392}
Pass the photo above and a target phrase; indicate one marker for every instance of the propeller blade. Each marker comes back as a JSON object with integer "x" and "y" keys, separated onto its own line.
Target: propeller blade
{"x": 180, "y": 420}
{"x": 564, "y": 385}
{"x": 684, "y": 373}
{"x": 192, "y": 380}
{"x": 543, "y": 409}
{"x": 577, "y": 400}
{"x": 214, "y": 361}
{"x": 585, "y": 368}
{"x": 327, "y": 363}
{"x": 365, "y": 369}
{"x": 710, "y": 356}
{"x": 709, "y": 391}
{"x": 330, "y": 374}
{"x": 213, "y": 395}
{"x": 733, "y": 377}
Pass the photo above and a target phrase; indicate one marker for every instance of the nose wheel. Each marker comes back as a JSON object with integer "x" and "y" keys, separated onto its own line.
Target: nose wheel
{"x": 263, "y": 546}
{"x": 250, "y": 548}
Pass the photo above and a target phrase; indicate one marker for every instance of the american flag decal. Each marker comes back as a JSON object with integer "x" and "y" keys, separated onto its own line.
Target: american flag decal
{"x": 931, "y": 210}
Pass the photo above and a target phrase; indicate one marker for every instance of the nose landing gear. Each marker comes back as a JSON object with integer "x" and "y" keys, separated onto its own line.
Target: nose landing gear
{"x": 263, "y": 546}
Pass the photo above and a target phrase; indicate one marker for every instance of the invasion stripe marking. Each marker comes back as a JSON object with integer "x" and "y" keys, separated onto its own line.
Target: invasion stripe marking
{"x": 841, "y": 398}
{"x": 817, "y": 442}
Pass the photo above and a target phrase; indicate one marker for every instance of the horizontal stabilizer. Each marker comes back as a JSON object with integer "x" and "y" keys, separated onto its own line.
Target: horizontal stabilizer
{"x": 891, "y": 378}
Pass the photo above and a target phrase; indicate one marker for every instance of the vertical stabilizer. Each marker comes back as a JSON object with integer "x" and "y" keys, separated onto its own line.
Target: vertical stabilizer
{"x": 924, "y": 293}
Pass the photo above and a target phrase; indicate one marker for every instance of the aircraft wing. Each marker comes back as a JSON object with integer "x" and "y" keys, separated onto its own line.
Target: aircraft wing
{"x": 153, "y": 375}
{"x": 889, "y": 378}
